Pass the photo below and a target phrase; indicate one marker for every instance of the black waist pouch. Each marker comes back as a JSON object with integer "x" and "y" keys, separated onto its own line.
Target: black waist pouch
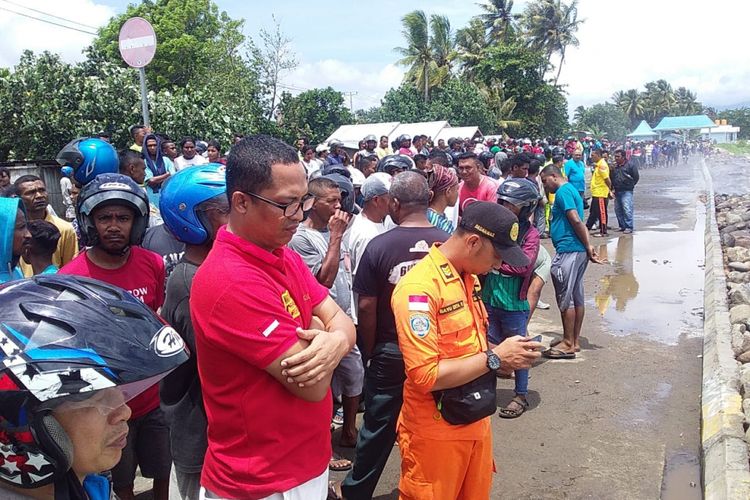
{"x": 470, "y": 402}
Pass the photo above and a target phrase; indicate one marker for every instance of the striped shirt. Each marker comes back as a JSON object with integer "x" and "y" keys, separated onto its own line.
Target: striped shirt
{"x": 440, "y": 221}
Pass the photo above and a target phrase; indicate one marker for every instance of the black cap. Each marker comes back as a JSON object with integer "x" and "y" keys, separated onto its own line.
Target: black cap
{"x": 499, "y": 225}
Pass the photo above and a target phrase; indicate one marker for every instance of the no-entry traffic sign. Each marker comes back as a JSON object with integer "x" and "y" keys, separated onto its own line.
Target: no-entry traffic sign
{"x": 137, "y": 42}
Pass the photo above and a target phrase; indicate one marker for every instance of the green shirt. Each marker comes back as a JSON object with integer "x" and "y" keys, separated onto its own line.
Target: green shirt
{"x": 501, "y": 291}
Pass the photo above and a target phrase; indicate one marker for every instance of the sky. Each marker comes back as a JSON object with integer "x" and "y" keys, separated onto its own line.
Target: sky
{"x": 623, "y": 44}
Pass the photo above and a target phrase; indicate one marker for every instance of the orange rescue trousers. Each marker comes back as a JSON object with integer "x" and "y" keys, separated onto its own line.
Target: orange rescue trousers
{"x": 444, "y": 470}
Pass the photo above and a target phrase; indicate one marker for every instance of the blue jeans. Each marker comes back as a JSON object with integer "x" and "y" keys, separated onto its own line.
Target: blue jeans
{"x": 502, "y": 325}
{"x": 624, "y": 209}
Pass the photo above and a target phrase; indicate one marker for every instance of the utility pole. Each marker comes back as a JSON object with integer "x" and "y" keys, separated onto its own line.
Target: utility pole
{"x": 350, "y": 94}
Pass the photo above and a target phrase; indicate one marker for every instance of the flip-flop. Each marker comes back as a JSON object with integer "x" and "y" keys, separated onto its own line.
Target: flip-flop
{"x": 558, "y": 354}
{"x": 346, "y": 465}
{"x": 558, "y": 342}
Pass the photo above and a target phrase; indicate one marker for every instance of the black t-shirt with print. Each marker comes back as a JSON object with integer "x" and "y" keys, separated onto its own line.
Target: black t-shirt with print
{"x": 386, "y": 259}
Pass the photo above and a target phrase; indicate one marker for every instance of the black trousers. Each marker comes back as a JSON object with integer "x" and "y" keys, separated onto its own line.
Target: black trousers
{"x": 598, "y": 213}
{"x": 383, "y": 392}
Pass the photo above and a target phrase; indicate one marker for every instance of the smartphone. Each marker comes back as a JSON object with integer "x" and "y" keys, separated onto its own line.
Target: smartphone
{"x": 538, "y": 338}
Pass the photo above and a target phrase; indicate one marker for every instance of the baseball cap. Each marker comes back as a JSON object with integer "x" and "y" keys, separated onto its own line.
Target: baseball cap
{"x": 499, "y": 225}
{"x": 377, "y": 184}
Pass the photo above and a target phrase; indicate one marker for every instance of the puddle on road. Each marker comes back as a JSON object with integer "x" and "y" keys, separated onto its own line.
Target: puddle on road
{"x": 655, "y": 287}
{"x": 682, "y": 476}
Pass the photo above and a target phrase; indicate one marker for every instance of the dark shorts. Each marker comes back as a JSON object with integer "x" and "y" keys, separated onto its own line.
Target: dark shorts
{"x": 147, "y": 448}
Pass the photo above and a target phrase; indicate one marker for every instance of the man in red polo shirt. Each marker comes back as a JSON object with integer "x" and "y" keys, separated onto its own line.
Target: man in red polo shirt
{"x": 265, "y": 372}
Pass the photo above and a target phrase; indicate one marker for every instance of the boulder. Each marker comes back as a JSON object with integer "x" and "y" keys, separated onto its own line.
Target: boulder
{"x": 739, "y": 266}
{"x": 745, "y": 384}
{"x": 737, "y": 254}
{"x": 738, "y": 277}
{"x": 742, "y": 241}
{"x": 740, "y": 294}
{"x": 740, "y": 340}
{"x": 744, "y": 357}
{"x": 727, "y": 240}
{"x": 733, "y": 218}
{"x": 739, "y": 314}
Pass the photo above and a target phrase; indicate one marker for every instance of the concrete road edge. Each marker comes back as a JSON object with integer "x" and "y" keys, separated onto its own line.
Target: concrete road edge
{"x": 726, "y": 472}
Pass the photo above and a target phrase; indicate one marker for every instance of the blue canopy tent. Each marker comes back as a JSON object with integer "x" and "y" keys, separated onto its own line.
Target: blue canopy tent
{"x": 682, "y": 123}
{"x": 643, "y": 132}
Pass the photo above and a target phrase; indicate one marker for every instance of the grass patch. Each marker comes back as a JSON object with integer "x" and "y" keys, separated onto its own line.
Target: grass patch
{"x": 736, "y": 148}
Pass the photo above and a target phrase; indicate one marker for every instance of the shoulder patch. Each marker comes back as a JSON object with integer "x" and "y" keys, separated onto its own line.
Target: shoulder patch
{"x": 290, "y": 305}
{"x": 419, "y": 303}
{"x": 447, "y": 271}
{"x": 419, "y": 325}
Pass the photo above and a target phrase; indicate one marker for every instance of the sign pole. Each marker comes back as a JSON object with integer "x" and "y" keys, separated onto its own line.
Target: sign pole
{"x": 144, "y": 97}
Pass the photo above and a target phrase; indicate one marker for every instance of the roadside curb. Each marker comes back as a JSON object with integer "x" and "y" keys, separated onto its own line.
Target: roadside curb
{"x": 726, "y": 471}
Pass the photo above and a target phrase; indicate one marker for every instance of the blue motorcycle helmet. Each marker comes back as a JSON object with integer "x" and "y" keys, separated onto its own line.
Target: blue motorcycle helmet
{"x": 66, "y": 171}
{"x": 89, "y": 157}
{"x": 181, "y": 196}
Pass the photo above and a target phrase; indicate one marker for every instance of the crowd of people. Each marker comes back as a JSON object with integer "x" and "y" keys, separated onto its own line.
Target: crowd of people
{"x": 306, "y": 285}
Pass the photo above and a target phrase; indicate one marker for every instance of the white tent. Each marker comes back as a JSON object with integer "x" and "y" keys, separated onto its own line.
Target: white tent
{"x": 461, "y": 132}
{"x": 430, "y": 129}
{"x": 350, "y": 135}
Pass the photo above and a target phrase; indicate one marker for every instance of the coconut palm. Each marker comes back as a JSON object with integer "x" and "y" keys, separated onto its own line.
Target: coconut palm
{"x": 660, "y": 99}
{"x": 498, "y": 20}
{"x": 417, "y": 54}
{"x": 578, "y": 114}
{"x": 631, "y": 103}
{"x": 470, "y": 43}
{"x": 502, "y": 107}
{"x": 443, "y": 46}
{"x": 686, "y": 102}
{"x": 429, "y": 52}
{"x": 551, "y": 27}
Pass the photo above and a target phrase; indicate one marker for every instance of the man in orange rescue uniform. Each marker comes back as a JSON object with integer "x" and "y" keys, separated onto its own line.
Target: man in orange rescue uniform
{"x": 442, "y": 333}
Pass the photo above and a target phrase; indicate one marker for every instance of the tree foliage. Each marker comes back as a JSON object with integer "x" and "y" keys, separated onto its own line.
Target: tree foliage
{"x": 739, "y": 118}
{"x": 605, "y": 119}
{"x": 315, "y": 113}
{"x": 658, "y": 100}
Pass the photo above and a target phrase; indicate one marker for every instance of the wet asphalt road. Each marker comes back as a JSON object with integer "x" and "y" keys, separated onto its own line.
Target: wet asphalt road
{"x": 622, "y": 421}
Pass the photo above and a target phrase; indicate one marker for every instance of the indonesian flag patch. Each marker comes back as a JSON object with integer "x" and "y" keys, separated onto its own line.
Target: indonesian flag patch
{"x": 419, "y": 303}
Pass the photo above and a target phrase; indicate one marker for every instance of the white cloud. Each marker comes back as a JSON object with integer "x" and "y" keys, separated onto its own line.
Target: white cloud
{"x": 369, "y": 83}
{"x": 624, "y": 45}
{"x": 21, "y": 33}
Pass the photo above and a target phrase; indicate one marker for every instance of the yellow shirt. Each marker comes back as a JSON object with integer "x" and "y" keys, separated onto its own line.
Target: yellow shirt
{"x": 599, "y": 187}
{"x": 439, "y": 315}
{"x": 67, "y": 245}
{"x": 383, "y": 152}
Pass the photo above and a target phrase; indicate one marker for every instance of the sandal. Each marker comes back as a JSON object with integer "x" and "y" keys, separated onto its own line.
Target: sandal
{"x": 339, "y": 464}
{"x": 334, "y": 491}
{"x": 514, "y": 412}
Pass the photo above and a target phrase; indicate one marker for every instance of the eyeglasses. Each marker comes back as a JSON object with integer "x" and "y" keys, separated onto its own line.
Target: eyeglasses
{"x": 290, "y": 209}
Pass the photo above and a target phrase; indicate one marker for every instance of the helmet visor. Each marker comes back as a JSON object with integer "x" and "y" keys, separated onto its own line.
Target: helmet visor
{"x": 105, "y": 400}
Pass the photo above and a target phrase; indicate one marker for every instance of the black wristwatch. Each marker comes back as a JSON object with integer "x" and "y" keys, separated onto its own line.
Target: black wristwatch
{"x": 493, "y": 360}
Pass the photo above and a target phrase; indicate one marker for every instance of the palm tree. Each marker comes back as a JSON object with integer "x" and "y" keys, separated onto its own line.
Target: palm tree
{"x": 660, "y": 99}
{"x": 443, "y": 46}
{"x": 498, "y": 20}
{"x": 631, "y": 103}
{"x": 470, "y": 43}
{"x": 551, "y": 27}
{"x": 417, "y": 54}
{"x": 501, "y": 107}
{"x": 430, "y": 50}
{"x": 686, "y": 102}
{"x": 579, "y": 113}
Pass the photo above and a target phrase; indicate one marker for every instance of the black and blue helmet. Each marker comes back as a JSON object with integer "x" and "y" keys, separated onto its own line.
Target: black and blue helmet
{"x": 182, "y": 194}
{"x": 89, "y": 157}
{"x": 64, "y": 340}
